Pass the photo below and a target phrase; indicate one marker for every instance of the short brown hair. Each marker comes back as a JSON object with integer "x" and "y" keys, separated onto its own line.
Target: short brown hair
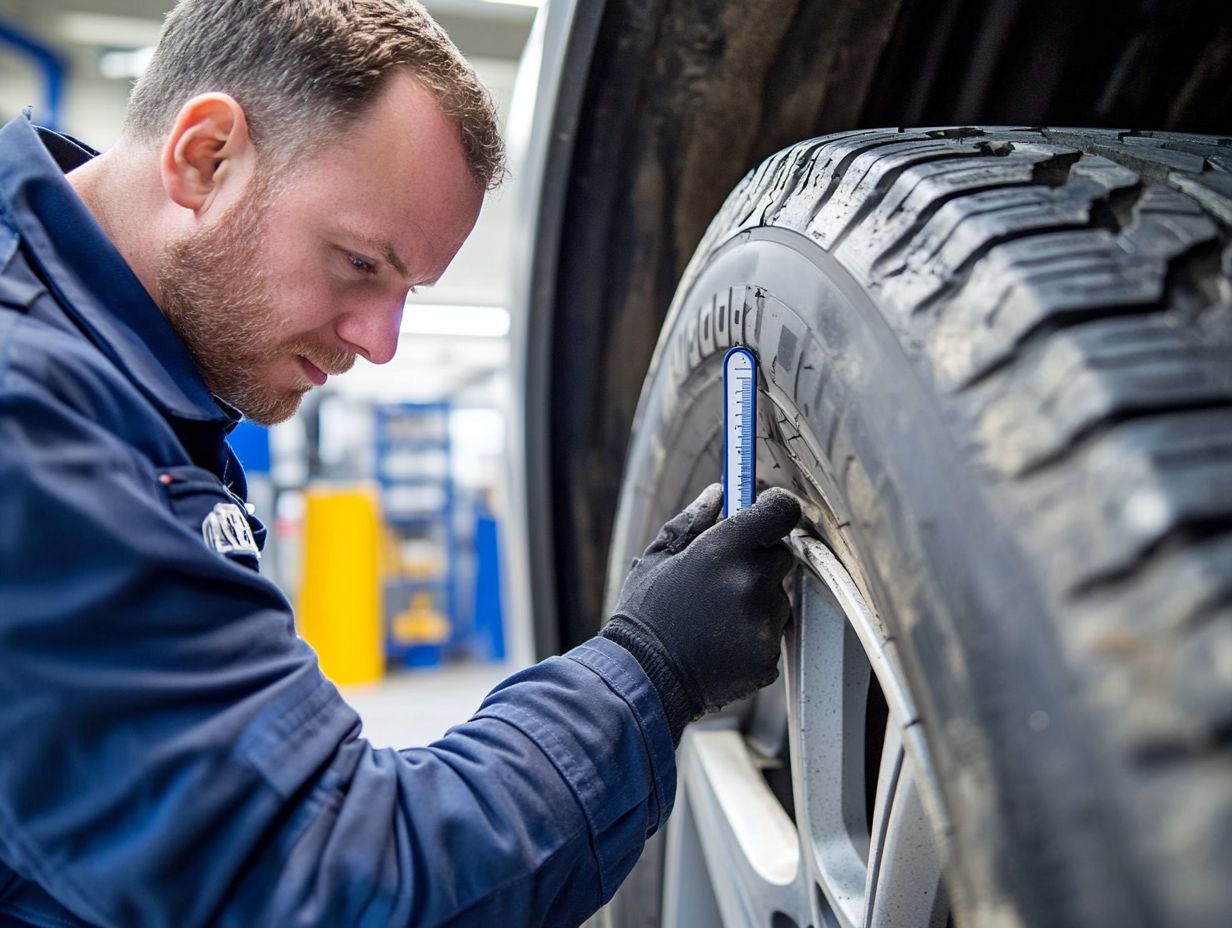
{"x": 303, "y": 69}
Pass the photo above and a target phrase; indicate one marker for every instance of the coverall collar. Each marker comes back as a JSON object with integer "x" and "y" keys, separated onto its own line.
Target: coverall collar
{"x": 90, "y": 278}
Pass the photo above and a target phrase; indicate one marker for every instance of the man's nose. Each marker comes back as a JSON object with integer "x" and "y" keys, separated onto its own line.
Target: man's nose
{"x": 373, "y": 330}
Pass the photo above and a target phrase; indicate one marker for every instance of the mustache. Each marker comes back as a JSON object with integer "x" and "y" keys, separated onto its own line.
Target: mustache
{"x": 332, "y": 360}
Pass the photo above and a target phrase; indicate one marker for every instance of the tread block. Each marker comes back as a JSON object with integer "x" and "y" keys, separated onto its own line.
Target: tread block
{"x": 967, "y": 228}
{"x": 801, "y": 162}
{"x": 816, "y": 186}
{"x": 913, "y": 199}
{"x": 1212, "y": 190}
{"x": 1174, "y": 593}
{"x": 966, "y": 353}
{"x": 869, "y": 174}
{"x": 1147, "y": 156}
{"x": 1094, "y": 375}
{"x": 969, "y": 340}
{"x": 1093, "y": 180}
{"x": 766, "y": 185}
{"x": 1188, "y": 809}
{"x": 1166, "y": 224}
{"x": 1173, "y": 477}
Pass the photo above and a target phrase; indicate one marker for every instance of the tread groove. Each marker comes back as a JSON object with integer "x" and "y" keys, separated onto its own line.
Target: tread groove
{"x": 1087, "y": 435}
{"x": 1179, "y": 278}
{"x": 1105, "y": 212}
{"x": 962, "y": 273}
{"x": 804, "y": 166}
{"x": 1055, "y": 171}
{"x": 1162, "y": 754}
{"x": 1188, "y": 534}
{"x": 926, "y": 214}
{"x": 1033, "y": 337}
{"x": 836, "y": 176}
{"x": 1117, "y": 210}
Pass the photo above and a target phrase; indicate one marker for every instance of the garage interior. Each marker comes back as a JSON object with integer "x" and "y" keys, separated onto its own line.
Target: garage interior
{"x": 983, "y": 253}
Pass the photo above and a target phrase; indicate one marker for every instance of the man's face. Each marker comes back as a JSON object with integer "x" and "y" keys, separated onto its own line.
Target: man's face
{"x": 304, "y": 273}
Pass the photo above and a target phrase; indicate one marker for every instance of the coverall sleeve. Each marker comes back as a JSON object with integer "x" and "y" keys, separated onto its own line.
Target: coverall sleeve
{"x": 174, "y": 757}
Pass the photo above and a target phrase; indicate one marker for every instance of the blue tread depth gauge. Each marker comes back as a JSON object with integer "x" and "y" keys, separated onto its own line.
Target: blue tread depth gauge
{"x": 739, "y": 429}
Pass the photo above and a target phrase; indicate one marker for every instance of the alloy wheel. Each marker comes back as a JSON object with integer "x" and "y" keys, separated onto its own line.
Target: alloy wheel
{"x": 818, "y": 804}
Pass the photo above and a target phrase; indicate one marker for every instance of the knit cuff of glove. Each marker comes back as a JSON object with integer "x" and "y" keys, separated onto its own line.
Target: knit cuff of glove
{"x": 678, "y": 706}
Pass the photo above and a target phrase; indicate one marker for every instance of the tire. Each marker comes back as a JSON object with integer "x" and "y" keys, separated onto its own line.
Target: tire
{"x": 997, "y": 367}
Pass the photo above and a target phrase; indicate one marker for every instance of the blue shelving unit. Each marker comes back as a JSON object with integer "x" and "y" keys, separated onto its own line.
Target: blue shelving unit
{"x": 414, "y": 469}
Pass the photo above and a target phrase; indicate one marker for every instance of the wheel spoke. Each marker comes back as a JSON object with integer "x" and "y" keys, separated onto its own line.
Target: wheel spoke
{"x": 905, "y": 888}
{"x": 882, "y": 655}
{"x": 885, "y": 873}
{"x": 830, "y": 677}
{"x": 727, "y": 816}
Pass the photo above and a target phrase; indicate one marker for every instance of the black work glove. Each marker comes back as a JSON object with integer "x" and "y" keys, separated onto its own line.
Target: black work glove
{"x": 704, "y": 608}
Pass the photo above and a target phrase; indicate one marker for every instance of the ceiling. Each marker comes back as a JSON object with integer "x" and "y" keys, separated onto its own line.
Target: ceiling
{"x": 480, "y": 28}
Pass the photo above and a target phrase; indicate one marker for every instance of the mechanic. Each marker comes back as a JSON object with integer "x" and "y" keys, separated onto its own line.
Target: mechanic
{"x": 289, "y": 169}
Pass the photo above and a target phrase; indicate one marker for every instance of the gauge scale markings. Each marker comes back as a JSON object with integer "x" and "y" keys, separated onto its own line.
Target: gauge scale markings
{"x": 739, "y": 429}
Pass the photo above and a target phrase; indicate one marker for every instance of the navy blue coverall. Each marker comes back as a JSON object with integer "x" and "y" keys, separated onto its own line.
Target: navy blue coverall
{"x": 172, "y": 755}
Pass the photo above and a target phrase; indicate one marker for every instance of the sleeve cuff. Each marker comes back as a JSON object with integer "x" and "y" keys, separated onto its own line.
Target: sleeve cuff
{"x": 606, "y": 735}
{"x": 626, "y": 678}
{"x": 677, "y": 705}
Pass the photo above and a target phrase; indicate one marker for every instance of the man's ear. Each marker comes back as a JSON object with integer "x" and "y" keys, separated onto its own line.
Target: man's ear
{"x": 208, "y": 147}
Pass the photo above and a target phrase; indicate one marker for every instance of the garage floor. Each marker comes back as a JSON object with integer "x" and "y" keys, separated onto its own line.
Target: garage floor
{"x": 413, "y": 708}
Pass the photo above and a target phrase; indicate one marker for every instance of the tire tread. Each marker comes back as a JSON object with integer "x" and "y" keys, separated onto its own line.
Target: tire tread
{"x": 1068, "y": 295}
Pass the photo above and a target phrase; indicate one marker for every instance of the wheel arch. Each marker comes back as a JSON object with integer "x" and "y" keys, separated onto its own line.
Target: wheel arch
{"x": 665, "y": 104}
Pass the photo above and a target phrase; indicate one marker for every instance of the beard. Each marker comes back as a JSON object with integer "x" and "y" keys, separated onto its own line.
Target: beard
{"x": 215, "y": 292}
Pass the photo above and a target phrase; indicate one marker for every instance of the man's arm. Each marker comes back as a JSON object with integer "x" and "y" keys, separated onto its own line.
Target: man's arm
{"x": 174, "y": 757}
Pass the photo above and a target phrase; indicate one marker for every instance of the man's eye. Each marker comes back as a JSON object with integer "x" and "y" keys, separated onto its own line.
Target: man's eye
{"x": 360, "y": 264}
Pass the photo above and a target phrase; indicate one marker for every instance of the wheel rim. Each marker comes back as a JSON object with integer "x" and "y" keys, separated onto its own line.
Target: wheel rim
{"x": 865, "y": 844}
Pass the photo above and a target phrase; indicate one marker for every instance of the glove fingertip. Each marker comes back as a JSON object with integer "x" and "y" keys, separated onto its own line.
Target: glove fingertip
{"x": 780, "y": 500}
{"x": 771, "y": 517}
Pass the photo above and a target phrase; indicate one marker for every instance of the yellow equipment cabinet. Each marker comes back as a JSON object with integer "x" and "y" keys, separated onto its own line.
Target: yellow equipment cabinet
{"x": 340, "y": 594}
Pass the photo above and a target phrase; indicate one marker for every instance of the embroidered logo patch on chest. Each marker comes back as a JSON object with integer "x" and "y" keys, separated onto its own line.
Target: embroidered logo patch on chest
{"x": 227, "y": 531}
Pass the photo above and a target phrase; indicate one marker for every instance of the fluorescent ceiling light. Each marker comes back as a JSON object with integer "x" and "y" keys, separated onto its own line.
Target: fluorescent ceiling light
{"x": 465, "y": 321}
